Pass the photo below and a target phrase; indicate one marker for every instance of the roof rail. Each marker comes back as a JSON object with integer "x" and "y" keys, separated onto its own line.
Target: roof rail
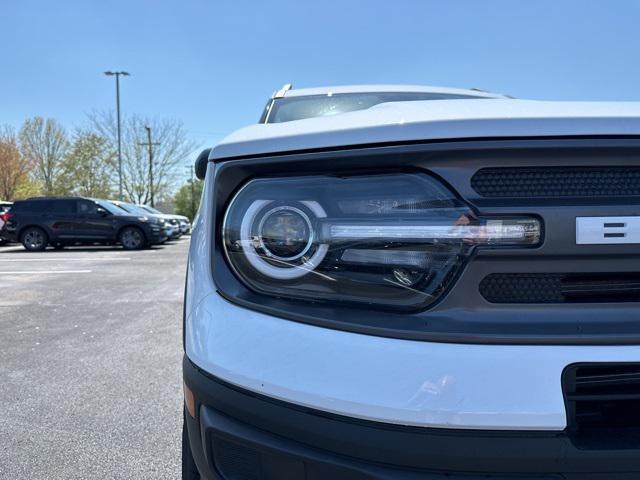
{"x": 55, "y": 197}
{"x": 487, "y": 91}
{"x": 280, "y": 93}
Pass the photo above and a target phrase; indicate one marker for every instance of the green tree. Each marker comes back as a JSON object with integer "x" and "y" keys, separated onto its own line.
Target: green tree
{"x": 187, "y": 199}
{"x": 44, "y": 143}
{"x": 87, "y": 168}
{"x": 28, "y": 187}
{"x": 13, "y": 166}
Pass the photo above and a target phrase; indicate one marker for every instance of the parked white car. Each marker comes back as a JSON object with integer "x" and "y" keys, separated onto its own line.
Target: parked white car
{"x": 175, "y": 221}
{"x": 418, "y": 289}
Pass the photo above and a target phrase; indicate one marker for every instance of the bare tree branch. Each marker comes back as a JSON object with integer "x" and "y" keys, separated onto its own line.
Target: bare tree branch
{"x": 172, "y": 149}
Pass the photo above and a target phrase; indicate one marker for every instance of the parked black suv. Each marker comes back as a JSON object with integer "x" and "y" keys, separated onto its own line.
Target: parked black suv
{"x": 61, "y": 221}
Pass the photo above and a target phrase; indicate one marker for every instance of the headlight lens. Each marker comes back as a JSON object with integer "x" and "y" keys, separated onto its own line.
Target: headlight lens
{"x": 285, "y": 233}
{"x": 395, "y": 240}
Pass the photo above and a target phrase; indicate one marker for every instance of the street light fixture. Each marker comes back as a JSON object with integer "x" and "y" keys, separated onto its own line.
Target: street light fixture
{"x": 117, "y": 75}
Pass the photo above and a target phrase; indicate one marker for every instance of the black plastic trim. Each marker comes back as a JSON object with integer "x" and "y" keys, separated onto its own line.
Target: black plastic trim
{"x": 264, "y": 423}
{"x": 612, "y": 393}
{"x": 463, "y": 315}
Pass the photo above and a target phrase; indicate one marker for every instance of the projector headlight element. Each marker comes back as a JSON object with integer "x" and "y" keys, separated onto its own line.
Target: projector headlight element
{"x": 394, "y": 240}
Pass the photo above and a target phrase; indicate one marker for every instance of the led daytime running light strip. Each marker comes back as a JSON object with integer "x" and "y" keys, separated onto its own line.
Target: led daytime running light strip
{"x": 493, "y": 231}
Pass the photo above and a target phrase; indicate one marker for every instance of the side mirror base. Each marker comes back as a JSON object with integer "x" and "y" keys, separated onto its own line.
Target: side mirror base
{"x": 201, "y": 164}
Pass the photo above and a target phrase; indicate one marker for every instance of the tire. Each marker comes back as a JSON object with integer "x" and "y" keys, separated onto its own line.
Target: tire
{"x": 34, "y": 239}
{"x": 189, "y": 469}
{"x": 132, "y": 238}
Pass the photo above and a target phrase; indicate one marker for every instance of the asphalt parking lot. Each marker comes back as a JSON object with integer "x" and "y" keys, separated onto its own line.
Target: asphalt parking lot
{"x": 90, "y": 362}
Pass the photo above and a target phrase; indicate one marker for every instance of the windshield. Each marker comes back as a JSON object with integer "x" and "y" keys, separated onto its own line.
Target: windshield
{"x": 296, "y": 108}
{"x": 131, "y": 208}
{"x": 150, "y": 210}
{"x": 110, "y": 207}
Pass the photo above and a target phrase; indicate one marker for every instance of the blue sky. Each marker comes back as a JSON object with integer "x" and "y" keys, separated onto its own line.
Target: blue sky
{"x": 212, "y": 64}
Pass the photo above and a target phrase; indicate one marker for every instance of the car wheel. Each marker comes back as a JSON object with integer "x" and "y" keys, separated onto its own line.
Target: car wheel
{"x": 131, "y": 238}
{"x": 34, "y": 239}
{"x": 189, "y": 469}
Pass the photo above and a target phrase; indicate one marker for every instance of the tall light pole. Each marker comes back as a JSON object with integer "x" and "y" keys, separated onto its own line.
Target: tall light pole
{"x": 149, "y": 144}
{"x": 117, "y": 75}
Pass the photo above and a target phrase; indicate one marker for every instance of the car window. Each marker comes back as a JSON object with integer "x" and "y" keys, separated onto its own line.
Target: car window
{"x": 151, "y": 210}
{"x": 24, "y": 207}
{"x": 136, "y": 209}
{"x": 60, "y": 206}
{"x": 297, "y": 108}
{"x": 110, "y": 207}
{"x": 117, "y": 206}
{"x": 85, "y": 207}
{"x": 123, "y": 206}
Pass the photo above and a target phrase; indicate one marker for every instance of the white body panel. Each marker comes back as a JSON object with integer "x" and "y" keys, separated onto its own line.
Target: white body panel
{"x": 388, "y": 380}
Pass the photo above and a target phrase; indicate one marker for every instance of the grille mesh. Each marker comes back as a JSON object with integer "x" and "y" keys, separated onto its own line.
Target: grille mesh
{"x": 522, "y": 288}
{"x": 561, "y": 287}
{"x": 557, "y": 182}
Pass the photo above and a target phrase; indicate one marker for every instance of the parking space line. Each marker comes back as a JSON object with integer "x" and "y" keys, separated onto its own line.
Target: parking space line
{"x": 43, "y": 272}
{"x": 67, "y": 259}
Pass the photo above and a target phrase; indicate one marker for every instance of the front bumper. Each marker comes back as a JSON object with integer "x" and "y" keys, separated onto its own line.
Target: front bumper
{"x": 175, "y": 232}
{"x": 185, "y": 228}
{"x": 238, "y": 431}
{"x": 385, "y": 380}
{"x": 155, "y": 235}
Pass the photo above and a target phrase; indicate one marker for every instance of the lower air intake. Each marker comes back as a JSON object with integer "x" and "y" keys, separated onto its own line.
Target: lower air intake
{"x": 236, "y": 462}
{"x": 603, "y": 404}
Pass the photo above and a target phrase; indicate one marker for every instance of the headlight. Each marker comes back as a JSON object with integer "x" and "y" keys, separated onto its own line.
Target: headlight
{"x": 395, "y": 240}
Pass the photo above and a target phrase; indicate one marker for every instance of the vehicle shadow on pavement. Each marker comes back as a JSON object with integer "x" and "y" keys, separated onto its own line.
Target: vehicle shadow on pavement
{"x": 84, "y": 249}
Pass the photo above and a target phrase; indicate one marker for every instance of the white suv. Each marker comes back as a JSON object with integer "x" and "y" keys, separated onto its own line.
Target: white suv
{"x": 420, "y": 289}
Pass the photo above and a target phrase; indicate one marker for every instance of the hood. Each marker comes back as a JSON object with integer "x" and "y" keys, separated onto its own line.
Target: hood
{"x": 397, "y": 122}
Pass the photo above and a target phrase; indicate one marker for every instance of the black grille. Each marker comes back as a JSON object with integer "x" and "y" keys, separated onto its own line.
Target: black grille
{"x": 561, "y": 287}
{"x": 557, "y": 182}
{"x": 603, "y": 404}
{"x": 236, "y": 462}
